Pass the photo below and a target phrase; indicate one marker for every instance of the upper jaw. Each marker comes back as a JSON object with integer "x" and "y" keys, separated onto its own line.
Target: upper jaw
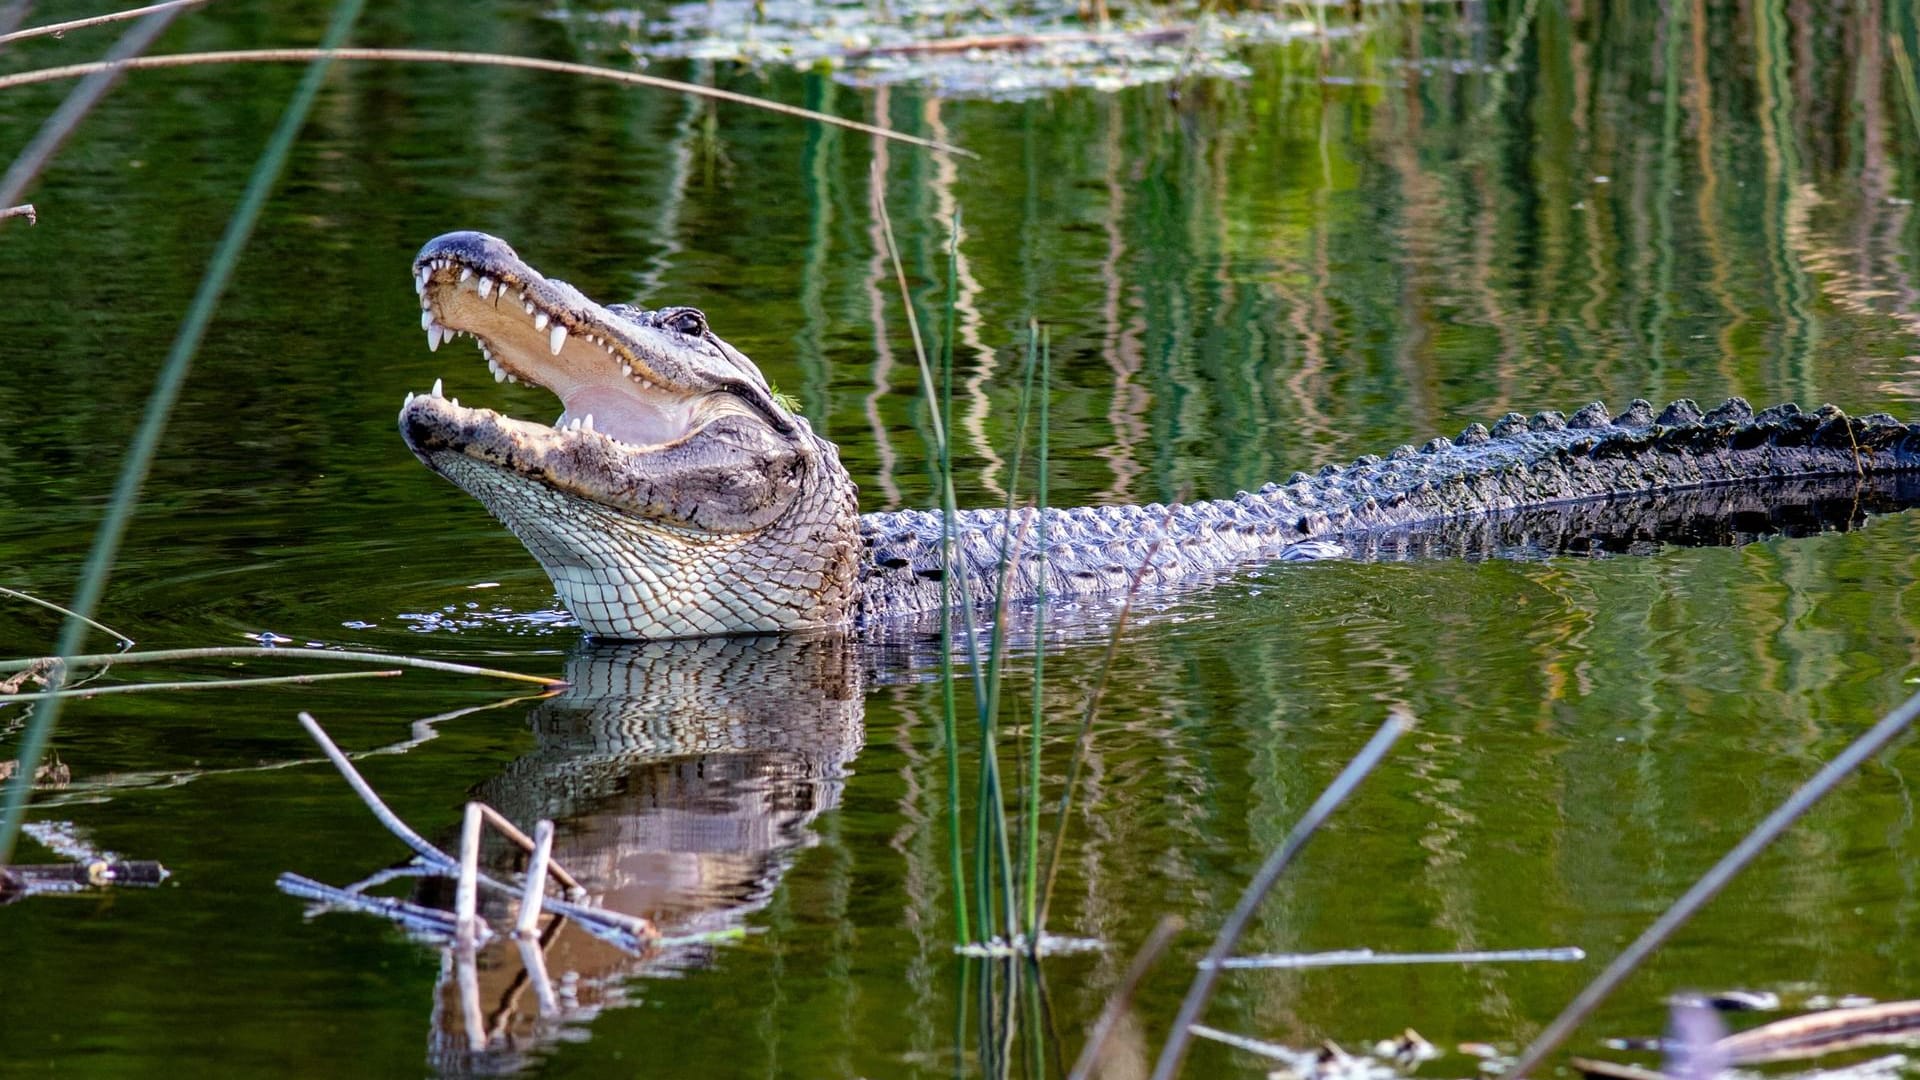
{"x": 633, "y": 375}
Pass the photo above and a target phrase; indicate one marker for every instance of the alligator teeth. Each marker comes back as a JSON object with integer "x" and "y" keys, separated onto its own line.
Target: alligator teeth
{"x": 436, "y": 388}
{"x": 409, "y": 400}
{"x": 499, "y": 373}
{"x": 435, "y": 332}
{"x": 540, "y": 321}
{"x": 465, "y": 273}
{"x": 420, "y": 277}
{"x": 485, "y": 287}
{"x": 556, "y": 338}
{"x": 626, "y": 369}
{"x": 587, "y": 423}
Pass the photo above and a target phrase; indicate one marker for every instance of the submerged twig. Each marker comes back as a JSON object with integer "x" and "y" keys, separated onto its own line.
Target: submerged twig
{"x": 535, "y": 962}
{"x": 1713, "y": 881}
{"x": 1122, "y": 999}
{"x": 1251, "y": 1045}
{"x": 216, "y": 652}
{"x": 93, "y": 20}
{"x": 28, "y": 597}
{"x": 367, "y": 795}
{"x": 203, "y": 684}
{"x": 531, "y": 846}
{"x": 467, "y": 927}
{"x": 536, "y": 878}
{"x": 629, "y": 932}
{"x": 1367, "y": 957}
{"x": 1825, "y": 1032}
{"x": 414, "y": 917}
{"x": 445, "y": 56}
{"x": 1263, "y": 882}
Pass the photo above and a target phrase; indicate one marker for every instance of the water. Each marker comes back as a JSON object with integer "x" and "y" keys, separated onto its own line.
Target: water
{"x": 1445, "y": 217}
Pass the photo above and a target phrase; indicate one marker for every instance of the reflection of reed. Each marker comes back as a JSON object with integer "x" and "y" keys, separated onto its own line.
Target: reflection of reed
{"x": 664, "y": 230}
{"x": 876, "y": 280}
{"x": 966, "y": 304}
{"x": 1671, "y": 27}
{"x": 1707, "y": 202}
{"x": 819, "y": 154}
{"x": 1119, "y": 346}
{"x": 1784, "y": 204}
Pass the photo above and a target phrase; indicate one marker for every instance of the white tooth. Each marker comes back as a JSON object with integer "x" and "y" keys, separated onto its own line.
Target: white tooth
{"x": 526, "y": 303}
{"x": 420, "y": 277}
{"x": 587, "y": 424}
{"x": 426, "y": 319}
{"x": 435, "y": 335}
{"x": 556, "y": 338}
{"x": 540, "y": 321}
{"x": 425, "y": 304}
{"x": 456, "y": 403}
{"x": 409, "y": 400}
{"x": 485, "y": 288}
{"x": 626, "y": 369}
{"x": 499, "y": 373}
{"x": 436, "y": 388}
{"x": 465, "y": 273}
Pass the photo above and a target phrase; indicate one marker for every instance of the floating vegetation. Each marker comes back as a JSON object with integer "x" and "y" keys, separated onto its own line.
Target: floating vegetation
{"x": 955, "y": 49}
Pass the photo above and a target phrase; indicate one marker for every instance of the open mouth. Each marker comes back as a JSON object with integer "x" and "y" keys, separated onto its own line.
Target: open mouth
{"x": 546, "y": 333}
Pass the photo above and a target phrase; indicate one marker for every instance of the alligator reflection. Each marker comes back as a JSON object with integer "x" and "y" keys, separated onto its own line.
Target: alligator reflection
{"x": 1726, "y": 516}
{"x": 682, "y": 778}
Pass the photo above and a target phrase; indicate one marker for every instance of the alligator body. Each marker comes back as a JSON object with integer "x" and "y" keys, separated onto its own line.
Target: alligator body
{"x": 677, "y": 497}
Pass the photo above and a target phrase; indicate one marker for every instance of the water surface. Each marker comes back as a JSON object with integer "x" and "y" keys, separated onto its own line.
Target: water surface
{"x": 1438, "y": 220}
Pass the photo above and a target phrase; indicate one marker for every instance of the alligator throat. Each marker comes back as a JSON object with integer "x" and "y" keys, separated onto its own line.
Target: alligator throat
{"x": 676, "y": 496}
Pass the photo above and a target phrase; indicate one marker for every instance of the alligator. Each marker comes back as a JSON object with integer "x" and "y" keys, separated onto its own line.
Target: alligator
{"x": 677, "y": 496}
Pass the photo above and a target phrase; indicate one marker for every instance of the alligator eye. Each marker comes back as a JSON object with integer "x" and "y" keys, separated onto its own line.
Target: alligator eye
{"x": 688, "y": 321}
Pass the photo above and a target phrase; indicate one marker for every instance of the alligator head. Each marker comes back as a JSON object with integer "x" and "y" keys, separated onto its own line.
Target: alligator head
{"x": 675, "y": 496}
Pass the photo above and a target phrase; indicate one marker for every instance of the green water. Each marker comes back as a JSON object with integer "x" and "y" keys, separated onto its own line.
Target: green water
{"x": 1334, "y": 256}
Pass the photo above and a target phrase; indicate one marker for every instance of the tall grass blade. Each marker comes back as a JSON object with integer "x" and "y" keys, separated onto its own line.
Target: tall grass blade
{"x": 1030, "y": 826}
{"x": 1710, "y": 884}
{"x": 952, "y": 570}
{"x": 1229, "y": 937}
{"x": 166, "y": 390}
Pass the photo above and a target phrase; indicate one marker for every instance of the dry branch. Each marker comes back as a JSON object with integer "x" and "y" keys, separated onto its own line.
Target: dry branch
{"x": 203, "y": 684}
{"x": 160, "y": 656}
{"x": 443, "y": 56}
{"x": 59, "y": 28}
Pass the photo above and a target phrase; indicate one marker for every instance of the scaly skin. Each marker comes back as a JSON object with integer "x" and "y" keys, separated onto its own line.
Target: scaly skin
{"x": 676, "y": 497}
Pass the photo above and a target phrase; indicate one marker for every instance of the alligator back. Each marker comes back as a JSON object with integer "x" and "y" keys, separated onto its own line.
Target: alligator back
{"x": 1520, "y": 464}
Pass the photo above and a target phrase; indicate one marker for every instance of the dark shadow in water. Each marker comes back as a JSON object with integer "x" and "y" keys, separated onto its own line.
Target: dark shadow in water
{"x": 1725, "y": 516}
{"x": 682, "y": 778}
